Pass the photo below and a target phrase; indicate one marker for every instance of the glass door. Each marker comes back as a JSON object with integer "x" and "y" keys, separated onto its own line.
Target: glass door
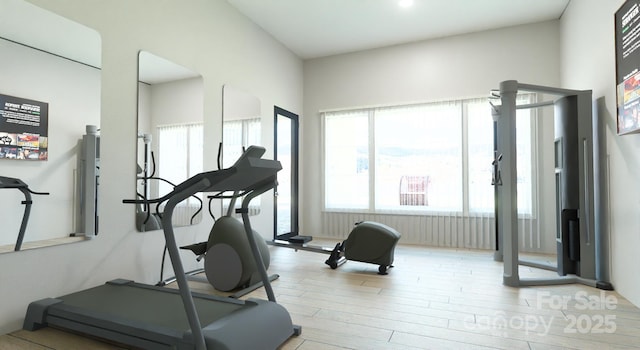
{"x": 286, "y": 193}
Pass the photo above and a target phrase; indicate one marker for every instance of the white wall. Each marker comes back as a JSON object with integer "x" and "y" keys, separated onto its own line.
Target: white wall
{"x": 177, "y": 102}
{"x": 588, "y": 62}
{"x": 449, "y": 68}
{"x": 208, "y": 37}
{"x": 72, "y": 91}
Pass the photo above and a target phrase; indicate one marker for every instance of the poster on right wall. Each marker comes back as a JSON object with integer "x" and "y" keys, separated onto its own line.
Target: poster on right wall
{"x": 627, "y": 43}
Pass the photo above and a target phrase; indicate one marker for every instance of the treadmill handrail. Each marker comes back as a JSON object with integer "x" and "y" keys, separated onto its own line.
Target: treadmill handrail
{"x": 12, "y": 182}
{"x": 246, "y": 174}
{"x": 176, "y": 262}
{"x": 244, "y": 211}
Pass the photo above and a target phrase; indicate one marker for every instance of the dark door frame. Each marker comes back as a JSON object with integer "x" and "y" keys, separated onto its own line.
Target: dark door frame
{"x": 294, "y": 172}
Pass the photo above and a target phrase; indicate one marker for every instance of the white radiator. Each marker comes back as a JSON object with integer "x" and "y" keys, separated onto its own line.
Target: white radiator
{"x": 441, "y": 230}
{"x": 184, "y": 215}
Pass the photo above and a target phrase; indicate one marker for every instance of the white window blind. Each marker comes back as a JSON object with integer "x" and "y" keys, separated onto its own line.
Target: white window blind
{"x": 180, "y": 156}
{"x": 347, "y": 160}
{"x": 418, "y": 157}
{"x": 238, "y": 135}
{"x": 432, "y": 157}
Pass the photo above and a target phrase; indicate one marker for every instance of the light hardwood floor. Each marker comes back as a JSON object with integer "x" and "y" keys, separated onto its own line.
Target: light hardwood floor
{"x": 433, "y": 298}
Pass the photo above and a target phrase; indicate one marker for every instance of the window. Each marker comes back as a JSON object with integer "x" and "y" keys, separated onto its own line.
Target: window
{"x": 238, "y": 135}
{"x": 347, "y": 160}
{"x": 480, "y": 151}
{"x": 480, "y": 148}
{"x": 179, "y": 156}
{"x": 420, "y": 158}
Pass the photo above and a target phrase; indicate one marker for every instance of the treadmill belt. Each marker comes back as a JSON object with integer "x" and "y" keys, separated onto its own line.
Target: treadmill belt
{"x": 147, "y": 306}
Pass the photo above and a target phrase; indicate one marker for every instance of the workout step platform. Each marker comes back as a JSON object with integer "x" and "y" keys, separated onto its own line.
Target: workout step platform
{"x": 299, "y": 239}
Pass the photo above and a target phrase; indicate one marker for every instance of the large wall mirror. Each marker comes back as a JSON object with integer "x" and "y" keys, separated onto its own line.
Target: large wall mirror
{"x": 170, "y": 137}
{"x": 50, "y": 92}
{"x": 241, "y": 128}
{"x": 241, "y": 122}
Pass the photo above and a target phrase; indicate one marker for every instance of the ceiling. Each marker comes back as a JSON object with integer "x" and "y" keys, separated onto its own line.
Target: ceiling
{"x": 317, "y": 28}
{"x": 309, "y": 28}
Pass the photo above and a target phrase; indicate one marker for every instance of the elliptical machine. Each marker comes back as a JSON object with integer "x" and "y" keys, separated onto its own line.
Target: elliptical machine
{"x": 228, "y": 260}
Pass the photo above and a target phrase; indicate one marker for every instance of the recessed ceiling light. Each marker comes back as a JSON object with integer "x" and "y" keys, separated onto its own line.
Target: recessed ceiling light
{"x": 405, "y": 3}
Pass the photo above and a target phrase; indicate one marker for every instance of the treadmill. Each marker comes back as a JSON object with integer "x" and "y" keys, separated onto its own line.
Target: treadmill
{"x": 151, "y": 317}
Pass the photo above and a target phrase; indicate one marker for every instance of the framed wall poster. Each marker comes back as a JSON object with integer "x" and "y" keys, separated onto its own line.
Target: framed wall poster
{"x": 24, "y": 127}
{"x": 627, "y": 43}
